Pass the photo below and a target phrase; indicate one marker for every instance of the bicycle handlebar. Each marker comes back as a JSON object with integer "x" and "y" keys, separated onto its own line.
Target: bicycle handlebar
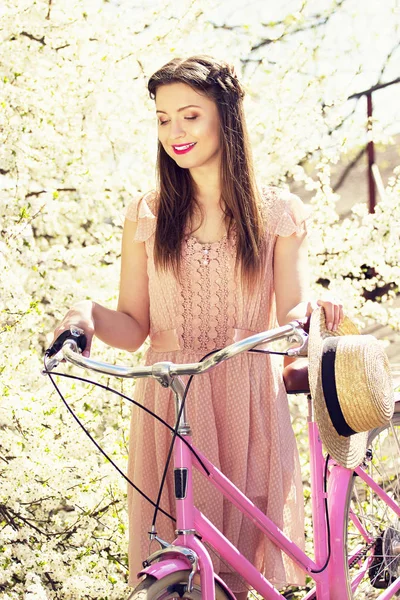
{"x": 164, "y": 371}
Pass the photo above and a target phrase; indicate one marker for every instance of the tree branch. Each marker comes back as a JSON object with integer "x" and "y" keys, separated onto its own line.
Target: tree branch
{"x": 101, "y": 511}
{"x": 318, "y": 21}
{"x": 10, "y": 515}
{"x": 269, "y": 40}
{"x": 62, "y": 47}
{"x": 33, "y": 38}
{"x": 374, "y": 88}
{"x": 52, "y": 581}
{"x": 40, "y": 192}
{"x": 388, "y": 57}
{"x": 49, "y": 10}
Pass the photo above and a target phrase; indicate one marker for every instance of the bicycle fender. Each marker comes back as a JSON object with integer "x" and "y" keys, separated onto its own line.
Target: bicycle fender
{"x": 166, "y": 567}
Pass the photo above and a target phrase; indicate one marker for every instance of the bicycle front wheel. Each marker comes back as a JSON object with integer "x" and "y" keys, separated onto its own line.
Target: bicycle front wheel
{"x": 173, "y": 587}
{"x": 373, "y": 528}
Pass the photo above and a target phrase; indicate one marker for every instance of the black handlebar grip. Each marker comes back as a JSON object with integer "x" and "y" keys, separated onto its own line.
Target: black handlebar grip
{"x": 73, "y": 333}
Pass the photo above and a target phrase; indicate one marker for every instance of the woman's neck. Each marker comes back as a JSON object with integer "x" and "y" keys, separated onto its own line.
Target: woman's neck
{"x": 207, "y": 187}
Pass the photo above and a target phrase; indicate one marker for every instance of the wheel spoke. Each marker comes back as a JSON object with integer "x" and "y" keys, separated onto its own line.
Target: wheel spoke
{"x": 373, "y": 529}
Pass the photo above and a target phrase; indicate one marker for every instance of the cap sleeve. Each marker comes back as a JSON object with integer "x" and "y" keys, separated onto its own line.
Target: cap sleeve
{"x": 139, "y": 210}
{"x": 286, "y": 213}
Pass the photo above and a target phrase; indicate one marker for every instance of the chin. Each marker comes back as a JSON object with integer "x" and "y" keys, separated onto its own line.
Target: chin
{"x": 185, "y": 163}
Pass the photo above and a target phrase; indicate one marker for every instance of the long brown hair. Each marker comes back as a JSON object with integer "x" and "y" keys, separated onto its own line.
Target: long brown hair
{"x": 175, "y": 186}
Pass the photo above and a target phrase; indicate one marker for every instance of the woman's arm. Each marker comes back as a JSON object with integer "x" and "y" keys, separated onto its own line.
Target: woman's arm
{"x": 133, "y": 298}
{"x": 291, "y": 277}
{"x": 128, "y": 326}
{"x": 292, "y": 281}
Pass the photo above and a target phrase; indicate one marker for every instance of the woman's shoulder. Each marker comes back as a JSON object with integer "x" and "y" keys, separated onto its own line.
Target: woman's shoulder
{"x": 284, "y": 212}
{"x": 142, "y": 210}
{"x": 141, "y": 205}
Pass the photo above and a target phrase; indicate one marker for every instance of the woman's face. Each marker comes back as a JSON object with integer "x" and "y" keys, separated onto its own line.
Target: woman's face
{"x": 188, "y": 126}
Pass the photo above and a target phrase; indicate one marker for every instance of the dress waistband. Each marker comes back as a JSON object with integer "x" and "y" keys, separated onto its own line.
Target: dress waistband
{"x": 168, "y": 340}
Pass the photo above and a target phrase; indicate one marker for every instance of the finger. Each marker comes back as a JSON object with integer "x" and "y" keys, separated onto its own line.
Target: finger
{"x": 341, "y": 314}
{"x": 329, "y": 313}
{"x": 311, "y": 306}
{"x": 336, "y": 316}
{"x": 87, "y": 350}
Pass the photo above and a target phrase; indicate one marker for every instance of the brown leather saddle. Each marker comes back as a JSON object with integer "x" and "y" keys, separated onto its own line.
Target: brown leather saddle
{"x": 295, "y": 377}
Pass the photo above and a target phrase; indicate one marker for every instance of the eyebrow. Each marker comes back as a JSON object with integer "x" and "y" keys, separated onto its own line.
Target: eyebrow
{"x": 180, "y": 109}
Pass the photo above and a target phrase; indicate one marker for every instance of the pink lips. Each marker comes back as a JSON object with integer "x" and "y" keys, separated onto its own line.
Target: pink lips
{"x": 177, "y": 151}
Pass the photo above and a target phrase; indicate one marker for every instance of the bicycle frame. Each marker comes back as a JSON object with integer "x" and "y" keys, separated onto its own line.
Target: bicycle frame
{"x": 327, "y": 569}
{"x": 329, "y": 581}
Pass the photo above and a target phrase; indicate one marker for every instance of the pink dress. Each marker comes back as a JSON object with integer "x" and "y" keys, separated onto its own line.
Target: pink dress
{"x": 238, "y": 412}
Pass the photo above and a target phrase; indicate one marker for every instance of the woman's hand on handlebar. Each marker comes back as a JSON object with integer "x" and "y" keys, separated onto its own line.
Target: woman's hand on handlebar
{"x": 80, "y": 315}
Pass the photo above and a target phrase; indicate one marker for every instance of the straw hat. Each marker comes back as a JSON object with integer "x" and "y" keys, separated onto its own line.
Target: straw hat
{"x": 351, "y": 387}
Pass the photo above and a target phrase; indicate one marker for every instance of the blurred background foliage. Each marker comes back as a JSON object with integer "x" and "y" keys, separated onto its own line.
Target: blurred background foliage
{"x": 78, "y": 138}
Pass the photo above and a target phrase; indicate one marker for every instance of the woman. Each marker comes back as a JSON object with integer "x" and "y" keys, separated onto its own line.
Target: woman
{"x": 209, "y": 258}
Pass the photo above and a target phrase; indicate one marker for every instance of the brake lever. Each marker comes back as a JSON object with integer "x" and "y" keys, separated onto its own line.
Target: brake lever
{"x": 73, "y": 333}
{"x": 53, "y": 354}
{"x": 300, "y": 336}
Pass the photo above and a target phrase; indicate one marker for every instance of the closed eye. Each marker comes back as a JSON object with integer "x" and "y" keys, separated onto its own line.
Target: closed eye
{"x": 167, "y": 121}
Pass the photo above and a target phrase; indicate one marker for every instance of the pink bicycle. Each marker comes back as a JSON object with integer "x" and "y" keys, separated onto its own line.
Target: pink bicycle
{"x": 355, "y": 513}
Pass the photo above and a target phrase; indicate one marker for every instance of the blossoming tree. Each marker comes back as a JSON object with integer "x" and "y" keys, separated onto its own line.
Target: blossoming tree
{"x": 78, "y": 137}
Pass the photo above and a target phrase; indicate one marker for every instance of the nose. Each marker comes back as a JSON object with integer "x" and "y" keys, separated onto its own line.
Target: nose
{"x": 176, "y": 130}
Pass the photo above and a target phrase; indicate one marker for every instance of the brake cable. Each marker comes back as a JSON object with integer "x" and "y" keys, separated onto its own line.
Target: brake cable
{"x": 174, "y": 430}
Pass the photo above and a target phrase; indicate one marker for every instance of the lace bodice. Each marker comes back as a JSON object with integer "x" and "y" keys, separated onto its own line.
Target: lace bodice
{"x": 206, "y": 313}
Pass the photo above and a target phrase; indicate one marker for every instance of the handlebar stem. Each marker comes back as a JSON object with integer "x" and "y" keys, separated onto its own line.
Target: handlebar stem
{"x": 162, "y": 372}
{"x": 179, "y": 388}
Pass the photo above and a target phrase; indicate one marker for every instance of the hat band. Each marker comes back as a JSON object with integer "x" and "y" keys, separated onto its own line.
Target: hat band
{"x": 329, "y": 387}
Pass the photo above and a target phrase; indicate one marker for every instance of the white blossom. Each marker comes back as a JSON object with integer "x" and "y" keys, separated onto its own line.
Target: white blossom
{"x": 77, "y": 139}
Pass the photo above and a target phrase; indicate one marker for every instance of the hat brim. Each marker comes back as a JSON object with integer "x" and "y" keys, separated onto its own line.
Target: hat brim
{"x": 347, "y": 451}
